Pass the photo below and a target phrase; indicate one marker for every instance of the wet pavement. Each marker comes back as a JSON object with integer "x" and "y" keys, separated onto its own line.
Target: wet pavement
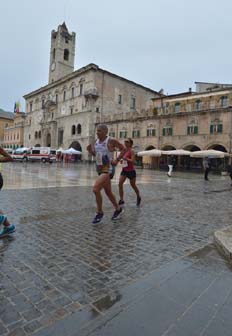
{"x": 59, "y": 272}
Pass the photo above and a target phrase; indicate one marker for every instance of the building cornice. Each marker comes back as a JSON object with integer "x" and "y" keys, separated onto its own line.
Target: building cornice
{"x": 81, "y": 71}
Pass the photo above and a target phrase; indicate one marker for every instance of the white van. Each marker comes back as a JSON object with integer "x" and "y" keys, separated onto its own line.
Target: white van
{"x": 43, "y": 154}
{"x": 20, "y": 154}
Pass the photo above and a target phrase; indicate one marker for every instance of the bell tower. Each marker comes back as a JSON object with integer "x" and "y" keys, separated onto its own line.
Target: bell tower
{"x": 62, "y": 53}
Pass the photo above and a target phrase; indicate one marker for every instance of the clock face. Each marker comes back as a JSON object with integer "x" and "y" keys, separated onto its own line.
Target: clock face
{"x": 63, "y": 110}
{"x": 53, "y": 66}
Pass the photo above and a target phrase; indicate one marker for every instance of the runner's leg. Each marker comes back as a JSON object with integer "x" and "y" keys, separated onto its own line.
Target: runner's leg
{"x": 99, "y": 184}
{"x": 122, "y": 179}
{"x": 110, "y": 195}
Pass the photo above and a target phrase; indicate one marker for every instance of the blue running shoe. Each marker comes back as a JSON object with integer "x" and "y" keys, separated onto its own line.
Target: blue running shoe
{"x": 117, "y": 214}
{"x": 7, "y": 230}
{"x": 97, "y": 218}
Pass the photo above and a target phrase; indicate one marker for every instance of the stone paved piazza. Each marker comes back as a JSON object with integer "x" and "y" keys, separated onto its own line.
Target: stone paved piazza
{"x": 57, "y": 263}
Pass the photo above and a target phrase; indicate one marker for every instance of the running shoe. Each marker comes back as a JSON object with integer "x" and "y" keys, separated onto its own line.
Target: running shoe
{"x": 117, "y": 214}
{"x": 7, "y": 230}
{"x": 138, "y": 201}
{"x": 97, "y": 218}
{"x": 121, "y": 202}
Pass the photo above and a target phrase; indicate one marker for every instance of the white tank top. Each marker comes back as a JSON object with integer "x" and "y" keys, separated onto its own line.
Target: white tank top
{"x": 103, "y": 155}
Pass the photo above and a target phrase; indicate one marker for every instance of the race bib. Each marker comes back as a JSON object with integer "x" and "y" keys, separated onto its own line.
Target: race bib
{"x": 99, "y": 159}
{"x": 124, "y": 164}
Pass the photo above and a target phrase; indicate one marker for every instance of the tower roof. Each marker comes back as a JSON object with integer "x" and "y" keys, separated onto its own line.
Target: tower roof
{"x": 64, "y": 27}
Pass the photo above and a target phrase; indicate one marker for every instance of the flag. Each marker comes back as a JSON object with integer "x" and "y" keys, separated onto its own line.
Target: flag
{"x": 17, "y": 107}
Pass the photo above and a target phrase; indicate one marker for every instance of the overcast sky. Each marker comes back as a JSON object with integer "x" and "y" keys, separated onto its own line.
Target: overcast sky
{"x": 166, "y": 44}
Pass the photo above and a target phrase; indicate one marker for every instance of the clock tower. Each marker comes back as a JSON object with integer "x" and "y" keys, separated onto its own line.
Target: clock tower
{"x": 62, "y": 53}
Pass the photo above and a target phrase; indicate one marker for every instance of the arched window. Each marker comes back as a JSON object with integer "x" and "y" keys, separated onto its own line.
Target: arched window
{"x": 79, "y": 129}
{"x": 36, "y": 135}
{"x": 66, "y": 54}
{"x": 73, "y": 129}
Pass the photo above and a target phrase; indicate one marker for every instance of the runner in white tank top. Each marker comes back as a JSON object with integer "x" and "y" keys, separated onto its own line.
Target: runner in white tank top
{"x": 103, "y": 151}
{"x": 104, "y": 157}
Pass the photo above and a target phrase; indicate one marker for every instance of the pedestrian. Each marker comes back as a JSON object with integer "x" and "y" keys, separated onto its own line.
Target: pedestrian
{"x": 229, "y": 169}
{"x": 207, "y": 167}
{"x": 7, "y": 227}
{"x": 171, "y": 162}
{"x": 128, "y": 171}
{"x": 105, "y": 165}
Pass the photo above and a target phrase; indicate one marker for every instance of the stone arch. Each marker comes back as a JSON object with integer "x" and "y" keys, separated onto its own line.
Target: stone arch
{"x": 76, "y": 145}
{"x": 168, "y": 147}
{"x": 191, "y": 147}
{"x": 149, "y": 147}
{"x": 218, "y": 147}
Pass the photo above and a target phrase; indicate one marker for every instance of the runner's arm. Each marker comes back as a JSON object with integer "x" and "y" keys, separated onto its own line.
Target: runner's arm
{"x": 5, "y": 156}
{"x": 115, "y": 144}
{"x": 91, "y": 149}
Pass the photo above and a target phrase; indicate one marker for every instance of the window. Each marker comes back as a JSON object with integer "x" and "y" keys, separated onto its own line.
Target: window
{"x": 72, "y": 93}
{"x": 151, "y": 132}
{"x": 66, "y": 54}
{"x": 73, "y": 130}
{"x": 64, "y": 95}
{"x": 224, "y": 101}
{"x": 29, "y": 136}
{"x": 177, "y": 107}
{"x": 43, "y": 101}
{"x": 133, "y": 103}
{"x": 39, "y": 134}
{"x": 198, "y": 105}
{"x": 30, "y": 107}
{"x": 56, "y": 98}
{"x": 79, "y": 129}
{"x": 36, "y": 135}
{"x": 167, "y": 131}
{"x": 192, "y": 130}
{"x": 81, "y": 89}
{"x": 71, "y": 110}
{"x": 60, "y": 136}
{"x": 135, "y": 133}
{"x": 216, "y": 128}
{"x": 112, "y": 134}
{"x": 123, "y": 134}
{"x": 54, "y": 54}
{"x": 120, "y": 99}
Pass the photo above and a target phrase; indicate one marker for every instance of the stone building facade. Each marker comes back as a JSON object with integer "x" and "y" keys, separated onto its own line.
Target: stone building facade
{"x": 6, "y": 120}
{"x": 69, "y": 107}
{"x": 189, "y": 120}
{"x": 14, "y": 132}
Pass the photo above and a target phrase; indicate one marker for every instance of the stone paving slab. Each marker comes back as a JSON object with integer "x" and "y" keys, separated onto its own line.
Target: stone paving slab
{"x": 58, "y": 264}
{"x": 186, "y": 297}
{"x": 223, "y": 240}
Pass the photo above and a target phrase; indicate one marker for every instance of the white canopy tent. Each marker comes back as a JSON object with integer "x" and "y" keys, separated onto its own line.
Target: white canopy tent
{"x": 176, "y": 152}
{"x": 71, "y": 151}
{"x": 210, "y": 153}
{"x": 152, "y": 152}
